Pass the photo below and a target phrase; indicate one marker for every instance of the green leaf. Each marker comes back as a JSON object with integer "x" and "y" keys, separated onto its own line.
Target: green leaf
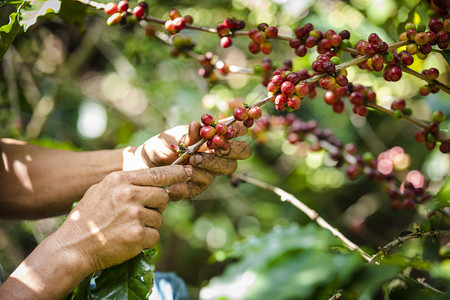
{"x": 11, "y": 2}
{"x": 401, "y": 26}
{"x": 8, "y": 33}
{"x": 37, "y": 9}
{"x": 73, "y": 12}
{"x": 444, "y": 194}
{"x": 445, "y": 53}
{"x": 82, "y": 290}
{"x": 132, "y": 279}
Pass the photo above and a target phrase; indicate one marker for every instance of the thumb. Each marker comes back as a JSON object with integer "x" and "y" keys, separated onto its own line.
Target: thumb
{"x": 193, "y": 133}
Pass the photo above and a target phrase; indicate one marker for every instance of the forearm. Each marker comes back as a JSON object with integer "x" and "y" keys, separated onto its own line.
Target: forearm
{"x": 38, "y": 182}
{"x": 51, "y": 271}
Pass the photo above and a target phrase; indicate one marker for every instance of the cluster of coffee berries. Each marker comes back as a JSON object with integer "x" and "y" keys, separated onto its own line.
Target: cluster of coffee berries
{"x": 292, "y": 90}
{"x": 260, "y": 38}
{"x": 226, "y": 29}
{"x": 247, "y": 117}
{"x": 377, "y": 49}
{"x": 307, "y": 37}
{"x": 177, "y": 22}
{"x": 431, "y": 74}
{"x": 399, "y": 109}
{"x": 438, "y": 34}
{"x": 408, "y": 198}
{"x": 180, "y": 44}
{"x": 207, "y": 68}
{"x": 429, "y": 135}
{"x": 120, "y": 12}
{"x": 216, "y": 134}
{"x": 440, "y": 7}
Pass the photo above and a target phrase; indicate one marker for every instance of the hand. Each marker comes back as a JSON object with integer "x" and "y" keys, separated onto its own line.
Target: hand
{"x": 119, "y": 217}
{"x": 157, "y": 151}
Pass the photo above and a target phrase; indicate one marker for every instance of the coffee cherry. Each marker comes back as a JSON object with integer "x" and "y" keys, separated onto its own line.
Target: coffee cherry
{"x": 230, "y": 134}
{"x": 338, "y": 107}
{"x": 356, "y": 98}
{"x": 240, "y": 114}
{"x": 293, "y": 102}
{"x": 248, "y": 122}
{"x": 221, "y": 128}
{"x": 438, "y": 116}
{"x": 255, "y": 112}
{"x": 111, "y": 8}
{"x": 394, "y": 73}
{"x": 301, "y": 90}
{"x": 174, "y": 13}
{"x": 207, "y": 119}
{"x": 188, "y": 19}
{"x": 253, "y": 47}
{"x": 327, "y": 82}
{"x": 444, "y": 147}
{"x": 226, "y": 42}
{"x": 432, "y": 73}
{"x": 271, "y": 32}
{"x": 435, "y": 25}
{"x": 287, "y": 88}
{"x": 425, "y": 90}
{"x": 217, "y": 141}
{"x": 114, "y": 19}
{"x": 123, "y": 5}
{"x": 293, "y": 77}
{"x": 397, "y": 115}
{"x": 138, "y": 11}
{"x": 341, "y": 80}
{"x": 399, "y": 104}
{"x": 178, "y": 23}
{"x": 207, "y": 132}
{"x": 352, "y": 172}
{"x": 266, "y": 47}
{"x": 409, "y": 204}
{"x": 330, "y": 98}
{"x": 421, "y": 38}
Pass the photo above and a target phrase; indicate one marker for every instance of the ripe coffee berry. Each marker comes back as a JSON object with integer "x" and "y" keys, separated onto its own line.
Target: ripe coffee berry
{"x": 207, "y": 132}
{"x": 226, "y": 42}
{"x": 221, "y": 129}
{"x": 255, "y": 112}
{"x": 138, "y": 11}
{"x": 240, "y": 114}
{"x": 123, "y": 5}
{"x": 111, "y": 8}
{"x": 217, "y": 141}
{"x": 207, "y": 119}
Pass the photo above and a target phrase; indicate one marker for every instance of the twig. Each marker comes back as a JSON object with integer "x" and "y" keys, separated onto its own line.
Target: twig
{"x": 313, "y": 215}
{"x": 401, "y": 239}
{"x": 436, "y": 83}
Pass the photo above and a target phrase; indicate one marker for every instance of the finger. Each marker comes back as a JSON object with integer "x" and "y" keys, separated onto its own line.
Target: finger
{"x": 210, "y": 162}
{"x": 151, "y": 218}
{"x": 197, "y": 185}
{"x": 151, "y": 238}
{"x": 238, "y": 150}
{"x": 160, "y": 176}
{"x": 153, "y": 197}
{"x": 193, "y": 133}
{"x": 185, "y": 190}
{"x": 239, "y": 128}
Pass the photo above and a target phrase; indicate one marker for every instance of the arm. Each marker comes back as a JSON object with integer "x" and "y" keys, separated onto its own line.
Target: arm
{"x": 39, "y": 182}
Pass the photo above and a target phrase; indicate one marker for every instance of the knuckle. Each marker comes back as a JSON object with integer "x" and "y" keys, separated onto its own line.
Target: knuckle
{"x": 136, "y": 234}
{"x": 114, "y": 177}
{"x": 126, "y": 192}
{"x": 230, "y": 167}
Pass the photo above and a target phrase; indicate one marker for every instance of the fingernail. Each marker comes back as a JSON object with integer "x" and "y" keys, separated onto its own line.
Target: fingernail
{"x": 189, "y": 171}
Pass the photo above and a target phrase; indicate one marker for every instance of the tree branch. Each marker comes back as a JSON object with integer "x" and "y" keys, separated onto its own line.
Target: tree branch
{"x": 313, "y": 215}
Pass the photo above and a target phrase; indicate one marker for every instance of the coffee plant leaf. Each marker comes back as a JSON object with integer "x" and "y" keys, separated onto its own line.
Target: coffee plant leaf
{"x": 37, "y": 9}
{"x": 8, "y": 33}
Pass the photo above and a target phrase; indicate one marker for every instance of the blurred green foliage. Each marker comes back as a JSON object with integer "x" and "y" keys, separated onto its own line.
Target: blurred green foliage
{"x": 70, "y": 76}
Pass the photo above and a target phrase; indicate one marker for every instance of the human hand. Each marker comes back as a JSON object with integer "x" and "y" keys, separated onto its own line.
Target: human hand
{"x": 157, "y": 151}
{"x": 120, "y": 216}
